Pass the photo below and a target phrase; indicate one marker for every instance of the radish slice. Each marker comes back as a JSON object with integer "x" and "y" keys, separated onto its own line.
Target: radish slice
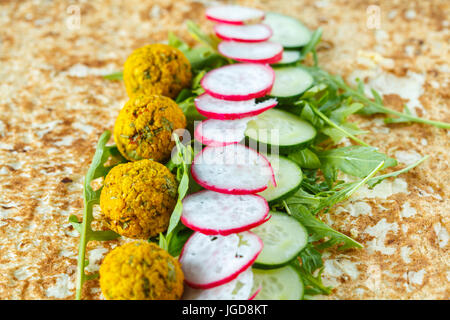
{"x": 234, "y": 14}
{"x": 210, "y": 261}
{"x": 244, "y": 33}
{"x": 253, "y": 296}
{"x": 232, "y": 169}
{"x": 215, "y": 133}
{"x": 237, "y": 289}
{"x": 240, "y": 81}
{"x": 214, "y": 213}
{"x": 260, "y": 52}
{"x": 220, "y": 109}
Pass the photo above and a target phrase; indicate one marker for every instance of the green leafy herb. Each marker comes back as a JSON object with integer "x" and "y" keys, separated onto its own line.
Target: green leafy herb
{"x": 311, "y": 46}
{"x": 305, "y": 158}
{"x": 343, "y": 131}
{"x": 375, "y": 180}
{"x": 200, "y": 58}
{"x": 176, "y": 234}
{"x": 372, "y": 106}
{"x": 115, "y": 76}
{"x": 356, "y": 161}
{"x": 210, "y": 41}
{"x": 319, "y": 230}
{"x": 313, "y": 284}
{"x": 311, "y": 258}
{"x": 343, "y": 191}
{"x": 102, "y": 155}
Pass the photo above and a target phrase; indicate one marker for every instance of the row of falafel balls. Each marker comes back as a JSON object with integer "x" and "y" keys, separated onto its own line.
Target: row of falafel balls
{"x": 139, "y": 196}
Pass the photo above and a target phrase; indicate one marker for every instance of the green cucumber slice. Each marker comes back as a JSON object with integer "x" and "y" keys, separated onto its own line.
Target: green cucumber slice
{"x": 289, "y": 57}
{"x": 290, "y": 83}
{"x": 283, "y": 237}
{"x": 278, "y": 284}
{"x": 287, "y": 31}
{"x": 279, "y": 130}
{"x": 288, "y": 176}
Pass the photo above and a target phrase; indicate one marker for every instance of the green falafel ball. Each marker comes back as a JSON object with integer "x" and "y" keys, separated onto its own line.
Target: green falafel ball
{"x": 144, "y": 127}
{"x": 141, "y": 270}
{"x": 138, "y": 198}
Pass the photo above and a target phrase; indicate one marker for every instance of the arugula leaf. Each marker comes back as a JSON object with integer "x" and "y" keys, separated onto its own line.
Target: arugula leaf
{"x": 316, "y": 90}
{"x": 176, "y": 42}
{"x": 319, "y": 230}
{"x": 189, "y": 110}
{"x": 305, "y": 158}
{"x": 327, "y": 111}
{"x": 301, "y": 197}
{"x": 179, "y": 236}
{"x": 311, "y": 45}
{"x": 373, "y": 106}
{"x": 311, "y": 258}
{"x": 337, "y": 135}
{"x": 356, "y": 161}
{"x": 182, "y": 160}
{"x": 340, "y": 114}
{"x": 406, "y": 110}
{"x": 322, "y": 197}
{"x": 176, "y": 234}
{"x": 312, "y": 184}
{"x": 196, "y": 32}
{"x": 200, "y": 58}
{"x": 372, "y": 182}
{"x": 309, "y": 115}
{"x": 115, "y": 76}
{"x": 343, "y": 191}
{"x": 297, "y": 206}
{"x": 313, "y": 284}
{"x": 341, "y": 129}
{"x": 102, "y": 155}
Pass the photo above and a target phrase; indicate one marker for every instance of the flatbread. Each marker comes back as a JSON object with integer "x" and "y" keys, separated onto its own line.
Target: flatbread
{"x": 54, "y": 104}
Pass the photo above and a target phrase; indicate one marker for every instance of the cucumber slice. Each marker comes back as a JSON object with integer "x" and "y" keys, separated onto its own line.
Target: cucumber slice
{"x": 283, "y": 238}
{"x": 289, "y": 57}
{"x": 279, "y": 130}
{"x": 278, "y": 284}
{"x": 290, "y": 83}
{"x": 288, "y": 176}
{"x": 287, "y": 31}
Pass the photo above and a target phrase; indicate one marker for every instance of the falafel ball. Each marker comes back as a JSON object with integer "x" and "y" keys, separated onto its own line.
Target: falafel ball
{"x": 138, "y": 198}
{"x": 141, "y": 270}
{"x": 157, "y": 69}
{"x": 144, "y": 127}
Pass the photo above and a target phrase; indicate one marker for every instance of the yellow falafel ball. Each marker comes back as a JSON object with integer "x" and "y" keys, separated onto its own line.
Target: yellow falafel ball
{"x": 141, "y": 270}
{"x": 144, "y": 127}
{"x": 156, "y": 69}
{"x": 138, "y": 198}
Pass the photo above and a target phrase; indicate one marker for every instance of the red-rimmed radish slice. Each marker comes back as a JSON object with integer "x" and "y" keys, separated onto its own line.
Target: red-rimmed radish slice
{"x": 234, "y": 14}
{"x": 244, "y": 33}
{"x": 259, "y": 52}
{"x": 240, "y": 81}
{"x": 210, "y": 261}
{"x": 253, "y": 296}
{"x": 232, "y": 169}
{"x": 214, "y": 108}
{"x": 214, "y": 132}
{"x": 214, "y": 213}
{"x": 237, "y": 289}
